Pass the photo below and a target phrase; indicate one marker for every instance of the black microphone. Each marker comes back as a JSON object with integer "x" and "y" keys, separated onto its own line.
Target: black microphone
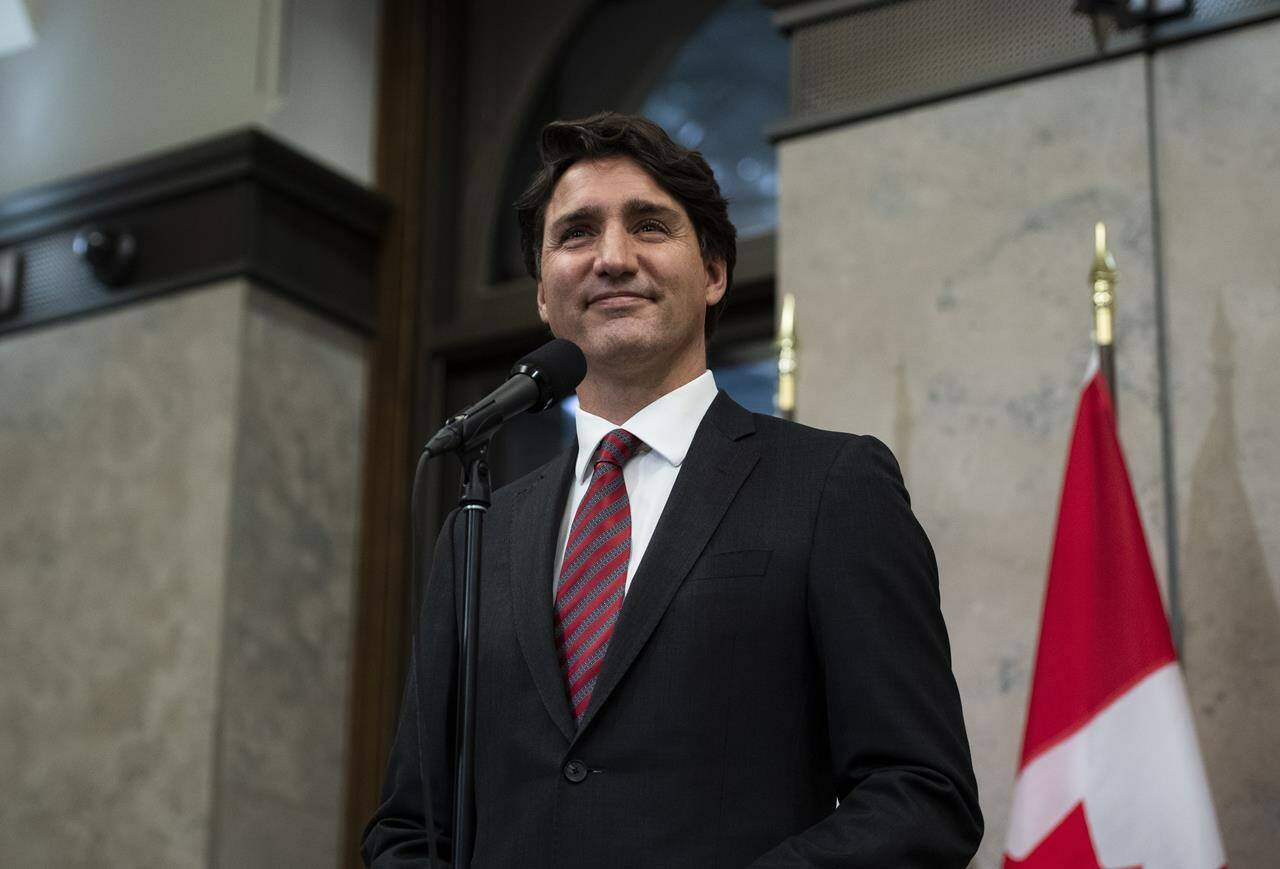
{"x": 539, "y": 380}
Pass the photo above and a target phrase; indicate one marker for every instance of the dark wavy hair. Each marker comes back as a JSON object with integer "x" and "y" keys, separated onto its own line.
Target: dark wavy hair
{"x": 681, "y": 172}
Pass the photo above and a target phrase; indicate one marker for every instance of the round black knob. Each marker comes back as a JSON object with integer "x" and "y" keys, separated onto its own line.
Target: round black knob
{"x": 110, "y": 253}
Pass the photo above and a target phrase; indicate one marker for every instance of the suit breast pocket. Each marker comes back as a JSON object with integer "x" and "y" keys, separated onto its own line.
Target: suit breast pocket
{"x": 729, "y": 566}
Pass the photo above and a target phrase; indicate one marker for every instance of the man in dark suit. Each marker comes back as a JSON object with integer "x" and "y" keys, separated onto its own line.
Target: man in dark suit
{"x": 707, "y": 638}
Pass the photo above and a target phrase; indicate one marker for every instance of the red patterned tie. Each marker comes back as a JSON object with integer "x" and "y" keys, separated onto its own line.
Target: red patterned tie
{"x": 594, "y": 574}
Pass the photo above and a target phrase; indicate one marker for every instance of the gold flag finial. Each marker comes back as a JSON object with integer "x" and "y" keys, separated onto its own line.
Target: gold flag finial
{"x": 1102, "y": 278}
{"x": 785, "y": 400}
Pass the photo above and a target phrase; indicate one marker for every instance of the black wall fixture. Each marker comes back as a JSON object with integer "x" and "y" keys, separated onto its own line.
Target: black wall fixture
{"x": 110, "y": 253}
{"x": 1134, "y": 13}
{"x": 240, "y": 205}
{"x": 10, "y": 283}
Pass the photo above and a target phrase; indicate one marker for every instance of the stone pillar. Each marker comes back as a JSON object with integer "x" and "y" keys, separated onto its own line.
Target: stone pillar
{"x": 181, "y": 471}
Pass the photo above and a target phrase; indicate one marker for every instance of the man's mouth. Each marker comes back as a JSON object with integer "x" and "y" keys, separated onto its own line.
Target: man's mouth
{"x": 619, "y": 297}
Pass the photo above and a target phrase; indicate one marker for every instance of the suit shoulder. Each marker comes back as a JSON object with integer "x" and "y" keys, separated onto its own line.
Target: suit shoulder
{"x": 834, "y": 444}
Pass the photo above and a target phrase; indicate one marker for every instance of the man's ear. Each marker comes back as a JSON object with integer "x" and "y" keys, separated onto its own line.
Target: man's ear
{"x": 717, "y": 280}
{"x": 542, "y": 304}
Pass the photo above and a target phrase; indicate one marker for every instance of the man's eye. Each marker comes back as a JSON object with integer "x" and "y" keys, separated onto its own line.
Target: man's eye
{"x": 572, "y": 233}
{"x": 651, "y": 226}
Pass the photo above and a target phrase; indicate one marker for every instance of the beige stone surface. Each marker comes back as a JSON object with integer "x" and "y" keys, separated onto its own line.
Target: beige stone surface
{"x": 1217, "y": 116}
{"x": 290, "y": 588}
{"x": 940, "y": 258}
{"x": 177, "y": 563}
{"x": 115, "y": 457}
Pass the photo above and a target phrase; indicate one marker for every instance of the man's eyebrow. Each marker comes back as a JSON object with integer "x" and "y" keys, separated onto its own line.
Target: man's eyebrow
{"x": 642, "y": 207}
{"x": 586, "y": 212}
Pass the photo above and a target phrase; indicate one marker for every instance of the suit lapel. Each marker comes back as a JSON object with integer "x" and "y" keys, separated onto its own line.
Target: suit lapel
{"x": 535, "y": 530}
{"x": 719, "y": 460}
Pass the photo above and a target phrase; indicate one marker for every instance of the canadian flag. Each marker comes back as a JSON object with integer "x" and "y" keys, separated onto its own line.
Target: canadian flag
{"x": 1110, "y": 774}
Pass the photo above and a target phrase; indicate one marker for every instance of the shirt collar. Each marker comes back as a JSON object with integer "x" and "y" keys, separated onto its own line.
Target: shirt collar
{"x": 666, "y": 425}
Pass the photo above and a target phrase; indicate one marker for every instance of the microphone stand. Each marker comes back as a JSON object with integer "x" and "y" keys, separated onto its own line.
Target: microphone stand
{"x": 474, "y": 502}
{"x": 535, "y": 383}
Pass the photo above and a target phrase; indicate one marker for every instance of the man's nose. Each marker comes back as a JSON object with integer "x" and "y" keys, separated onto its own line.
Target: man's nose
{"x": 615, "y": 253}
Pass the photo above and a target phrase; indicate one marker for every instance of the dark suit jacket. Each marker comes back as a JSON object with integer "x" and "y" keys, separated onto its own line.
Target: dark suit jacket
{"x": 781, "y": 648}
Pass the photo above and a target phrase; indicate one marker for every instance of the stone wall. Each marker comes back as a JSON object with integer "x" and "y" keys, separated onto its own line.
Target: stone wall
{"x": 181, "y": 482}
{"x": 117, "y": 438}
{"x": 940, "y": 256}
{"x": 1217, "y": 112}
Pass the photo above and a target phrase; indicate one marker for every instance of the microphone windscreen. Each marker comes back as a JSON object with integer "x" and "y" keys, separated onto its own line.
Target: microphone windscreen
{"x": 561, "y": 367}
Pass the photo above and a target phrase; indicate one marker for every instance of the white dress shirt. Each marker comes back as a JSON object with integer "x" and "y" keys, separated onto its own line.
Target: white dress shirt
{"x": 667, "y": 427}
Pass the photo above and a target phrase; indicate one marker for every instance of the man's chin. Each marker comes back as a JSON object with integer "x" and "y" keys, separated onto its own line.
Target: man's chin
{"x": 609, "y": 348}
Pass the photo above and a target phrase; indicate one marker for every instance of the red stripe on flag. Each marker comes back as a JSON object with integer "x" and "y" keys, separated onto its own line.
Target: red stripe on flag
{"x": 1068, "y": 845}
{"x": 1104, "y": 626}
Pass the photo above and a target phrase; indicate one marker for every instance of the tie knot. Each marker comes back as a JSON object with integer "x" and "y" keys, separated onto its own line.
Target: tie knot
{"x": 617, "y": 447}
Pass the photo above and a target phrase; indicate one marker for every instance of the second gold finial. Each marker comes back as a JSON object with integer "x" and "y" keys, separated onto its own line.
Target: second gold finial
{"x": 1103, "y": 278}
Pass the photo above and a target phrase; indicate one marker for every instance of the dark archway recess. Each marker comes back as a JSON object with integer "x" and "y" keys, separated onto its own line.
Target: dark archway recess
{"x": 715, "y": 81}
{"x": 575, "y": 87}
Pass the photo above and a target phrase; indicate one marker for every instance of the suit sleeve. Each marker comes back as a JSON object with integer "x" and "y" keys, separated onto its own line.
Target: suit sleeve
{"x": 901, "y": 767}
{"x": 412, "y": 826}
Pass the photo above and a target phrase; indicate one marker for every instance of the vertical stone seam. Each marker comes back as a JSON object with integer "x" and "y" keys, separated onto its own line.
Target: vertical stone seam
{"x": 233, "y": 445}
{"x": 1164, "y": 376}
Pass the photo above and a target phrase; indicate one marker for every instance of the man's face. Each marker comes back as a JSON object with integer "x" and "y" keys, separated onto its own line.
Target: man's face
{"x": 622, "y": 274}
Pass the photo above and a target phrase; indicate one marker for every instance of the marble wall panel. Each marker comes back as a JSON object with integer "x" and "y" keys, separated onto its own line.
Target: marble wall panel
{"x": 290, "y": 584}
{"x": 115, "y": 458}
{"x": 1217, "y": 115}
{"x": 177, "y": 562}
{"x": 940, "y": 258}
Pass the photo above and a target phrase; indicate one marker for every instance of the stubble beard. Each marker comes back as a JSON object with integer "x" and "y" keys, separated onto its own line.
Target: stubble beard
{"x": 637, "y": 353}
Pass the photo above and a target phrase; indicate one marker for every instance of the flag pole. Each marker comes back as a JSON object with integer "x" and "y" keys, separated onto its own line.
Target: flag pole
{"x": 1102, "y": 281}
{"x": 785, "y": 400}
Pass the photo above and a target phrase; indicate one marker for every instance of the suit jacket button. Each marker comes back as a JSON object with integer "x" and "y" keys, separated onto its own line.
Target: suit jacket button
{"x": 575, "y": 771}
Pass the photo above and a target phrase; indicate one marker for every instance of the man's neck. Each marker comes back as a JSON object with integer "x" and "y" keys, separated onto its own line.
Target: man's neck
{"x": 617, "y": 400}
